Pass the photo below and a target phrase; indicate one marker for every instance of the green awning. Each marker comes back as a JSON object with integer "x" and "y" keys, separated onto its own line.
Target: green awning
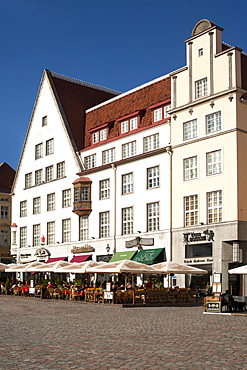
{"x": 148, "y": 256}
{"x": 119, "y": 256}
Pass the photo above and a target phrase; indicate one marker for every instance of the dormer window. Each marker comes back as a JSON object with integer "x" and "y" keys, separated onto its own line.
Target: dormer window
{"x": 129, "y": 125}
{"x": 95, "y": 137}
{"x": 160, "y": 111}
{"x": 99, "y": 133}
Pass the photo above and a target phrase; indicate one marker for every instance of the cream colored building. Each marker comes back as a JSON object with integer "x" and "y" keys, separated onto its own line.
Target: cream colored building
{"x": 209, "y": 143}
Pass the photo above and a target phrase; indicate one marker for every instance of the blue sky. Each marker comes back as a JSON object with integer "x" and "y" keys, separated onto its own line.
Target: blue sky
{"x": 118, "y": 44}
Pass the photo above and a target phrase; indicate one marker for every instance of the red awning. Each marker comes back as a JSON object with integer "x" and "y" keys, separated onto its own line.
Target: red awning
{"x": 82, "y": 258}
{"x": 55, "y": 259}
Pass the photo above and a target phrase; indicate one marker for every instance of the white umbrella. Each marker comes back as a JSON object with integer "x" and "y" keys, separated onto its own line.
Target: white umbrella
{"x": 177, "y": 268}
{"x": 80, "y": 267}
{"x": 3, "y": 267}
{"x": 239, "y": 270}
{"x": 16, "y": 267}
{"x": 30, "y": 266}
{"x": 126, "y": 266}
{"x": 51, "y": 267}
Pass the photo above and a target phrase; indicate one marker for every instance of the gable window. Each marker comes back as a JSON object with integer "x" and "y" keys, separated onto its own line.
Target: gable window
{"x": 44, "y": 121}
{"x": 36, "y": 235}
{"x": 190, "y": 168}
{"x": 213, "y": 122}
{"x": 23, "y": 208}
{"x": 38, "y": 177}
{"x": 36, "y": 205}
{"x": 104, "y": 189}
{"x": 190, "y": 129}
{"x": 127, "y": 183}
{"x": 28, "y": 180}
{"x": 153, "y": 177}
{"x": 66, "y": 200}
{"x": 49, "y": 173}
{"x": 90, "y": 161}
{"x": 200, "y": 52}
{"x": 39, "y": 151}
{"x": 49, "y": 147}
{"x": 104, "y": 218}
{"x": 108, "y": 156}
{"x": 214, "y": 163}
{"x": 214, "y": 206}
{"x": 51, "y": 205}
{"x": 129, "y": 149}
{"x": 83, "y": 225}
{"x": 201, "y": 87}
{"x": 60, "y": 170}
{"x": 151, "y": 143}
{"x": 191, "y": 210}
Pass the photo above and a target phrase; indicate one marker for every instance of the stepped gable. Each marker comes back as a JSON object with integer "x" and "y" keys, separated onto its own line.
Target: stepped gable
{"x": 74, "y": 97}
{"x": 128, "y": 103}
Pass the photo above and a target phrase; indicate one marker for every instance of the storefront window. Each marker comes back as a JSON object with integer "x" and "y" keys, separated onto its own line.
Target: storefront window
{"x": 198, "y": 250}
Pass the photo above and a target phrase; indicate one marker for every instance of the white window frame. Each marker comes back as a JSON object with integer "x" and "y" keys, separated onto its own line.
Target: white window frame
{"x": 36, "y": 235}
{"x": 153, "y": 177}
{"x": 200, "y": 52}
{"x": 49, "y": 173}
{"x": 104, "y": 186}
{"x": 51, "y": 232}
{"x": 153, "y": 215}
{"x": 60, "y": 170}
{"x": 38, "y": 177}
{"x": 191, "y": 210}
{"x": 191, "y": 168}
{"x": 28, "y": 180}
{"x": 190, "y": 129}
{"x": 90, "y": 161}
{"x": 214, "y": 162}
{"x": 108, "y": 156}
{"x": 213, "y": 122}
{"x": 151, "y": 142}
{"x": 39, "y": 151}
{"x": 104, "y": 221}
{"x": 127, "y": 221}
{"x": 23, "y": 208}
{"x": 66, "y": 230}
{"x": 4, "y": 212}
{"x": 23, "y": 237}
{"x": 214, "y": 206}
{"x": 201, "y": 88}
{"x": 103, "y": 134}
{"x": 51, "y": 202}
{"x": 44, "y": 121}
{"x": 83, "y": 227}
{"x": 36, "y": 205}
{"x": 127, "y": 183}
{"x": 49, "y": 148}
{"x": 95, "y": 137}
{"x": 66, "y": 200}
{"x": 129, "y": 149}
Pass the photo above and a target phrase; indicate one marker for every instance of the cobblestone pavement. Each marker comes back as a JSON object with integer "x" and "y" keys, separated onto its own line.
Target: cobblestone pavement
{"x": 54, "y": 334}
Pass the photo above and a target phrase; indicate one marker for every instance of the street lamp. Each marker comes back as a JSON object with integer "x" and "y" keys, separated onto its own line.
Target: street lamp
{"x": 107, "y": 248}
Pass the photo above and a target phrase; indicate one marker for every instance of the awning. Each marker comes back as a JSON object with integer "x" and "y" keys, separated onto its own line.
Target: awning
{"x": 119, "y": 256}
{"x": 81, "y": 258}
{"x": 149, "y": 256}
{"x": 55, "y": 259}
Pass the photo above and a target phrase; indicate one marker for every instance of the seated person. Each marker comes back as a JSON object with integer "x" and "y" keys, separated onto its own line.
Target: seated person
{"x": 227, "y": 300}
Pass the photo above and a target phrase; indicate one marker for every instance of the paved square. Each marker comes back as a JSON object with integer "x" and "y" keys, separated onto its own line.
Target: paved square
{"x": 54, "y": 334}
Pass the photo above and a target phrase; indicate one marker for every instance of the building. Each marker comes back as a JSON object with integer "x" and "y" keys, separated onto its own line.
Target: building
{"x": 6, "y": 180}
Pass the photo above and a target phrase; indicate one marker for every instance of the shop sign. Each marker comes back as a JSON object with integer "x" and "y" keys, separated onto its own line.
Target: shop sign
{"x": 82, "y": 249}
{"x": 199, "y": 260}
{"x": 213, "y": 306}
{"x": 42, "y": 252}
{"x": 199, "y": 237}
{"x": 139, "y": 241}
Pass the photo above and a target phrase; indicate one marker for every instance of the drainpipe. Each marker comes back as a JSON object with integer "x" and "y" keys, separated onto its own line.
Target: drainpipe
{"x": 114, "y": 167}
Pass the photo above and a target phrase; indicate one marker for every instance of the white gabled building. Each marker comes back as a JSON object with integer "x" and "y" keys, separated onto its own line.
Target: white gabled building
{"x": 44, "y": 225}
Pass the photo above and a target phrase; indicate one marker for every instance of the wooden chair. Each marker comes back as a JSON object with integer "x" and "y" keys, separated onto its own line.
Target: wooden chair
{"x": 57, "y": 293}
{"x": 50, "y": 292}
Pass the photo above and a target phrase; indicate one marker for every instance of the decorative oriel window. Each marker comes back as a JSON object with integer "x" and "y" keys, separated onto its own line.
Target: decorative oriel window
{"x": 82, "y": 196}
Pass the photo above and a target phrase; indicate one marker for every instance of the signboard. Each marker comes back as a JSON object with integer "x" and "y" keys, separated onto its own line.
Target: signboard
{"x": 198, "y": 237}
{"x": 82, "y": 249}
{"x": 108, "y": 287}
{"x": 213, "y": 306}
{"x": 108, "y": 295}
{"x": 31, "y": 290}
{"x": 199, "y": 260}
{"x": 216, "y": 288}
{"x": 139, "y": 241}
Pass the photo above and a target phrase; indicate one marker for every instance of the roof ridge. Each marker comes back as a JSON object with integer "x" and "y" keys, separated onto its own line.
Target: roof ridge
{"x": 84, "y": 83}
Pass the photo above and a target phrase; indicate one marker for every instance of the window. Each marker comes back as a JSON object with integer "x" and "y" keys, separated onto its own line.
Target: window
{"x": 153, "y": 177}
{"x": 4, "y": 212}
{"x": 161, "y": 113}
{"x": 60, "y": 170}
{"x": 198, "y": 250}
{"x": 81, "y": 193}
{"x": 190, "y": 168}
{"x": 104, "y": 218}
{"x": 153, "y": 216}
{"x": 108, "y": 156}
{"x": 49, "y": 147}
{"x": 83, "y": 224}
{"x": 201, "y": 88}
{"x": 39, "y": 151}
{"x": 200, "y": 52}
{"x": 127, "y": 221}
{"x": 127, "y": 183}
{"x": 191, "y": 210}
{"x": 38, "y": 177}
{"x": 151, "y": 143}
{"x": 49, "y": 173}
{"x": 44, "y": 121}
{"x": 190, "y": 129}
{"x": 28, "y": 180}
{"x": 36, "y": 205}
{"x": 95, "y": 137}
{"x": 103, "y": 134}
{"x": 213, "y": 163}
{"x": 23, "y": 237}
{"x": 36, "y": 235}
{"x": 51, "y": 232}
{"x": 104, "y": 189}
{"x": 23, "y": 208}
{"x": 129, "y": 149}
{"x": 66, "y": 201}
{"x": 214, "y": 206}
{"x": 66, "y": 230}
{"x": 90, "y": 161}
{"x": 213, "y": 122}
{"x": 129, "y": 125}
{"x": 14, "y": 240}
{"x": 51, "y": 204}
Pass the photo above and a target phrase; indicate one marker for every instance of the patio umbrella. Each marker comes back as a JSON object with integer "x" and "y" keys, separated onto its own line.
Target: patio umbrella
{"x": 239, "y": 270}
{"x": 119, "y": 267}
{"x": 51, "y": 267}
{"x": 18, "y": 267}
{"x": 3, "y": 267}
{"x": 80, "y": 267}
{"x": 177, "y": 268}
